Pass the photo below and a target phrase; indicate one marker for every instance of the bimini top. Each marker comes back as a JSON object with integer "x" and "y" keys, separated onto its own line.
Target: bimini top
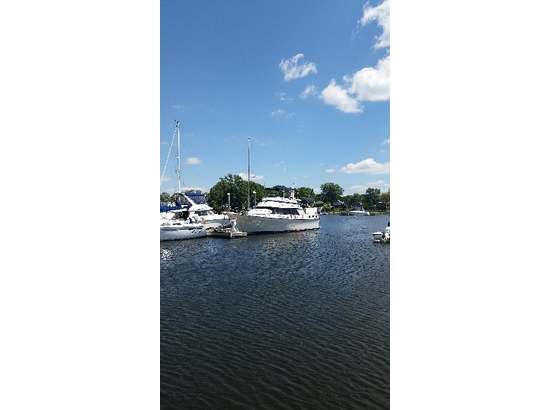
{"x": 166, "y": 208}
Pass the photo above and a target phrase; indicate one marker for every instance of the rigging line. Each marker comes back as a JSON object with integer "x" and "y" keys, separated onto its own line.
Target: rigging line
{"x": 168, "y": 156}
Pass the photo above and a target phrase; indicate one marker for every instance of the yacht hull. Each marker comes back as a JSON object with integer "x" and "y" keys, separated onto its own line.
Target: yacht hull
{"x": 179, "y": 232}
{"x": 263, "y": 224}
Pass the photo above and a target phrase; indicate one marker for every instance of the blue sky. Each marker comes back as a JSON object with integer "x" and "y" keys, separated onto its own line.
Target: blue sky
{"x": 307, "y": 81}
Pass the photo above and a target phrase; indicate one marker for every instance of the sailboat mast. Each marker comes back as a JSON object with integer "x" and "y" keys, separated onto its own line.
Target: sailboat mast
{"x": 178, "y": 170}
{"x": 248, "y": 194}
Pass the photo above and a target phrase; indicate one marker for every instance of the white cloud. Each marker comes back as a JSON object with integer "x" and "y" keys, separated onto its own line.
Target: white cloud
{"x": 367, "y": 84}
{"x": 192, "y": 161}
{"x": 292, "y": 69}
{"x": 371, "y": 83}
{"x": 367, "y": 166}
{"x": 361, "y": 189}
{"x": 193, "y": 188}
{"x": 386, "y": 141}
{"x": 252, "y": 176}
{"x": 331, "y": 170}
{"x": 380, "y": 14}
{"x": 310, "y": 90}
{"x": 379, "y": 183}
{"x": 283, "y": 97}
{"x": 282, "y": 113}
{"x": 333, "y": 94}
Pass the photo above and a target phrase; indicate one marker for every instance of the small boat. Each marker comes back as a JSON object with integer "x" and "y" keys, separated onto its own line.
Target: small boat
{"x": 227, "y": 232}
{"x": 382, "y": 237}
{"x": 355, "y": 212}
{"x": 356, "y": 209}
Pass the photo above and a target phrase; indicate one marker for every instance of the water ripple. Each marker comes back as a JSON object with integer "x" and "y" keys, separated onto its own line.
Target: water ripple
{"x": 296, "y": 320}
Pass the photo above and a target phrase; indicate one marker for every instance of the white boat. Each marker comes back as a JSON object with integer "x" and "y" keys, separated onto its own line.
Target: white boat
{"x": 181, "y": 226}
{"x": 355, "y": 212}
{"x": 279, "y": 214}
{"x": 195, "y": 203}
{"x": 358, "y": 210}
{"x": 382, "y": 237}
{"x": 276, "y": 214}
{"x": 187, "y": 219}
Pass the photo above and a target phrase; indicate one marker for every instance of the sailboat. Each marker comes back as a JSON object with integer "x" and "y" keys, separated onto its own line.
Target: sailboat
{"x": 178, "y": 223}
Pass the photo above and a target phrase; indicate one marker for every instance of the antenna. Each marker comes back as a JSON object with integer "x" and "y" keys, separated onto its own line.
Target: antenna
{"x": 248, "y": 193}
{"x": 178, "y": 170}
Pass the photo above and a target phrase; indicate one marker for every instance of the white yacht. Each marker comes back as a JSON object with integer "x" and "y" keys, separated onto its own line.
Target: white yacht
{"x": 195, "y": 203}
{"x": 278, "y": 214}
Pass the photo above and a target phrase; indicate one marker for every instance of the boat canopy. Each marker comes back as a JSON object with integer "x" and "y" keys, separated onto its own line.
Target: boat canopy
{"x": 166, "y": 208}
{"x": 197, "y": 197}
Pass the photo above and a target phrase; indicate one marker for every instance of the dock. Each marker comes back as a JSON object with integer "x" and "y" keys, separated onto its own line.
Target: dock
{"x": 227, "y": 232}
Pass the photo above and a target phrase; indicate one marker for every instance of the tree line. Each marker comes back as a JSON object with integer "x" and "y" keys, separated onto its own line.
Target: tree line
{"x": 232, "y": 193}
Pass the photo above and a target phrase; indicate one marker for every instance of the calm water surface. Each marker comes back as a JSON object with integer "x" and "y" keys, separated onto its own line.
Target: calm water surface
{"x": 286, "y": 321}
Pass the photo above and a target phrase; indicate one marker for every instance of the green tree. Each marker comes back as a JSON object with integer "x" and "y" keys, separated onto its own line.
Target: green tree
{"x": 238, "y": 190}
{"x": 260, "y": 193}
{"x": 218, "y": 196}
{"x": 165, "y": 197}
{"x": 372, "y": 197}
{"x": 304, "y": 192}
{"x": 385, "y": 198}
{"x": 354, "y": 200}
{"x": 331, "y": 191}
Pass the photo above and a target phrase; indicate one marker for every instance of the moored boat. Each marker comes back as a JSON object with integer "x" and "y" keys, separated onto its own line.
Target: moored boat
{"x": 191, "y": 216}
{"x": 355, "y": 212}
{"x": 181, "y": 227}
{"x": 382, "y": 236}
{"x": 279, "y": 214}
{"x": 227, "y": 232}
{"x": 196, "y": 204}
{"x": 178, "y": 221}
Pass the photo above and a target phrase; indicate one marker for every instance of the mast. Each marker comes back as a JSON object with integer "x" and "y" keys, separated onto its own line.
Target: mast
{"x": 178, "y": 170}
{"x": 176, "y": 132}
{"x": 248, "y": 193}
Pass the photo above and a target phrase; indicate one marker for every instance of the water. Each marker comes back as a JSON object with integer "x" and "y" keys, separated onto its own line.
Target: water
{"x": 286, "y": 321}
